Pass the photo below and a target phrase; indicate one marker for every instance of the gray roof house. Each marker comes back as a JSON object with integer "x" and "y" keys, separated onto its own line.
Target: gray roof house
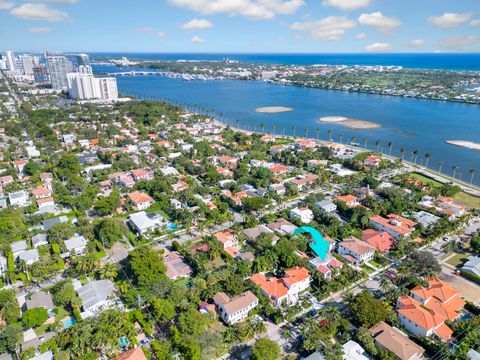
{"x": 18, "y": 247}
{"x": 472, "y": 265}
{"x": 39, "y": 240}
{"x": 426, "y": 219}
{"x": 40, "y": 299}
{"x": 95, "y": 296}
{"x": 48, "y": 223}
{"x": 29, "y": 256}
{"x": 255, "y": 232}
{"x": 76, "y": 244}
{"x": 326, "y": 205}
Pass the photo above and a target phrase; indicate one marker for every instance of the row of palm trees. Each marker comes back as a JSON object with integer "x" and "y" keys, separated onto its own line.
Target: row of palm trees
{"x": 413, "y": 156}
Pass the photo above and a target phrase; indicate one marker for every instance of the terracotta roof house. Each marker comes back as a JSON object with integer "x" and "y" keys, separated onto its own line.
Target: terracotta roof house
{"x": 395, "y": 341}
{"x": 283, "y": 290}
{"x": 140, "y": 200}
{"x": 395, "y": 225}
{"x": 235, "y": 309}
{"x": 229, "y": 242}
{"x": 132, "y": 354}
{"x": 381, "y": 240}
{"x": 176, "y": 266}
{"x": 350, "y": 200}
{"x": 425, "y": 311}
{"x": 372, "y": 160}
{"x": 326, "y": 266}
{"x": 282, "y": 226}
{"x": 142, "y": 174}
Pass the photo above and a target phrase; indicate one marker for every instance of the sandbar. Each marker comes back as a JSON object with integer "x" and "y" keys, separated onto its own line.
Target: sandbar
{"x": 273, "y": 109}
{"x": 350, "y": 123}
{"x": 465, "y": 144}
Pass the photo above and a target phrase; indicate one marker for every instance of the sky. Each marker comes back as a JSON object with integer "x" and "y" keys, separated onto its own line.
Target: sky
{"x": 240, "y": 26}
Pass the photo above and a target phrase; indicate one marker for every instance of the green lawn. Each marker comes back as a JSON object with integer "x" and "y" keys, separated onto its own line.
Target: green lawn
{"x": 426, "y": 180}
{"x": 468, "y": 200}
{"x": 458, "y": 260}
{"x": 374, "y": 263}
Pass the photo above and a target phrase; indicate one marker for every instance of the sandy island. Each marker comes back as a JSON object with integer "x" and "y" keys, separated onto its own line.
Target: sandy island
{"x": 273, "y": 109}
{"x": 465, "y": 144}
{"x": 350, "y": 123}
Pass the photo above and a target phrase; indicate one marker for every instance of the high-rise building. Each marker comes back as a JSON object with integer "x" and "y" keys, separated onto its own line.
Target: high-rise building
{"x": 26, "y": 64}
{"x": 108, "y": 88}
{"x": 58, "y": 68}
{"x": 83, "y": 59}
{"x": 10, "y": 56}
{"x": 85, "y": 69}
{"x": 87, "y": 87}
{"x": 40, "y": 73}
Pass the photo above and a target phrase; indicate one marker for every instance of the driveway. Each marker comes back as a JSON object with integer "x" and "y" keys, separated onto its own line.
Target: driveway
{"x": 466, "y": 288}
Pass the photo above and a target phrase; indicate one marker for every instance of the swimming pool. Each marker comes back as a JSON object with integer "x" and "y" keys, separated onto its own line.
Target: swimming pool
{"x": 67, "y": 324}
{"x": 172, "y": 227}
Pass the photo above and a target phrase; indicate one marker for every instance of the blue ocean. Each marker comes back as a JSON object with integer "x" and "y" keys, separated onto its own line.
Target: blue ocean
{"x": 443, "y": 61}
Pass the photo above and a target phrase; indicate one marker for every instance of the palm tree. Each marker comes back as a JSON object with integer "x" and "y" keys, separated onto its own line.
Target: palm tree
{"x": 293, "y": 130}
{"x": 262, "y": 126}
{"x": 365, "y": 141}
{"x": 390, "y": 144}
{"x": 377, "y": 144}
{"x": 238, "y": 124}
{"x": 109, "y": 271}
{"x": 454, "y": 168}
{"x": 384, "y": 284}
{"x": 318, "y": 133}
{"x": 402, "y": 152}
{"x": 427, "y": 157}
{"x": 330, "y": 133}
{"x": 341, "y": 138}
{"x": 440, "y": 165}
{"x": 306, "y": 132}
{"x": 353, "y": 139}
{"x": 283, "y": 130}
{"x": 472, "y": 173}
{"x": 415, "y": 154}
{"x": 273, "y": 129}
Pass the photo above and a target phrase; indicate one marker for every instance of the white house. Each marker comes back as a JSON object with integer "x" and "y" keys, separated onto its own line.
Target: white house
{"x": 356, "y": 251}
{"x": 29, "y": 256}
{"x": 144, "y": 223}
{"x": 75, "y": 244}
{"x": 303, "y": 214}
{"x": 327, "y": 205}
{"x": 235, "y": 309}
{"x": 19, "y": 198}
{"x": 95, "y": 296}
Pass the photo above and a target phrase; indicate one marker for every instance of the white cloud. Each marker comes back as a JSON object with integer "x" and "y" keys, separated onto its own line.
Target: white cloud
{"x": 254, "y": 9}
{"x": 145, "y": 29}
{"x": 416, "y": 42}
{"x": 379, "y": 47}
{"x": 459, "y": 42}
{"x": 39, "y": 11}
{"x": 36, "y": 29}
{"x": 197, "y": 24}
{"x": 347, "y": 4}
{"x": 474, "y": 22}
{"x": 161, "y": 34}
{"x": 329, "y": 28}
{"x": 197, "y": 40}
{"x": 361, "y": 36}
{"x": 449, "y": 20}
{"x": 379, "y": 21}
{"x": 6, "y": 5}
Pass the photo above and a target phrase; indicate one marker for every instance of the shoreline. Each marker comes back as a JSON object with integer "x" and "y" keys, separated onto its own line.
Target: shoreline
{"x": 350, "y": 123}
{"x": 464, "y": 144}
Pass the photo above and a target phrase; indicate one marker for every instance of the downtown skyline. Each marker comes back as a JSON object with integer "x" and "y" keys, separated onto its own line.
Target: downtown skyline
{"x": 277, "y": 26}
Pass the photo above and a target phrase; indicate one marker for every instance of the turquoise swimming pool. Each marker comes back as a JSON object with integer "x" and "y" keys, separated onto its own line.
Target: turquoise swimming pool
{"x": 67, "y": 324}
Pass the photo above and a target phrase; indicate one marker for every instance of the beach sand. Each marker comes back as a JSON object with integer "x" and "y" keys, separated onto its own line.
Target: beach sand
{"x": 273, "y": 109}
{"x": 350, "y": 123}
{"x": 463, "y": 143}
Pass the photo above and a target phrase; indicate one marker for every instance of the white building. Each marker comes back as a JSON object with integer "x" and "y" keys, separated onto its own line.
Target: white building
{"x": 10, "y": 57}
{"x": 58, "y": 68}
{"x": 305, "y": 215}
{"x": 235, "y": 309}
{"x": 144, "y": 223}
{"x": 19, "y": 198}
{"x": 95, "y": 296}
{"x": 76, "y": 244}
{"x": 84, "y": 86}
